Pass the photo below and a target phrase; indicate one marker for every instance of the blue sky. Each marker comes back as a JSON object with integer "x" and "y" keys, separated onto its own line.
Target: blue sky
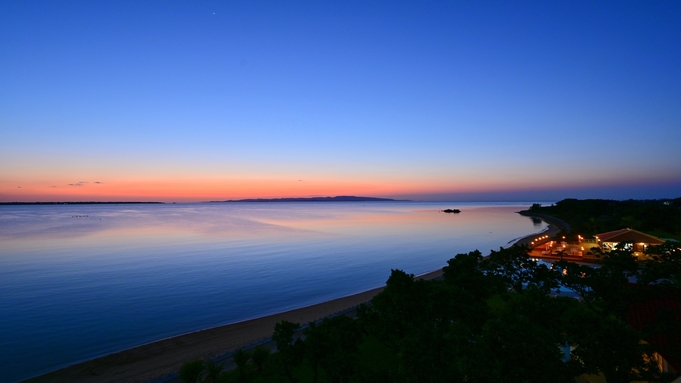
{"x": 171, "y": 100}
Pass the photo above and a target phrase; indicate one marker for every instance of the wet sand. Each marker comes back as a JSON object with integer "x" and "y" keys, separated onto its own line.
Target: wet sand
{"x": 153, "y": 360}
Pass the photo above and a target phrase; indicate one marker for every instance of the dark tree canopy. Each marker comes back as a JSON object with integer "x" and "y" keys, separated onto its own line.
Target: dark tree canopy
{"x": 500, "y": 318}
{"x": 592, "y": 216}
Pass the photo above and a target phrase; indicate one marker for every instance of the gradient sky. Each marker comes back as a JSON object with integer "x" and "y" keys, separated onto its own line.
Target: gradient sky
{"x": 475, "y": 100}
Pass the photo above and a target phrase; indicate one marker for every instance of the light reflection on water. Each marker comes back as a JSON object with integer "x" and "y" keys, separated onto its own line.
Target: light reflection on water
{"x": 73, "y": 288}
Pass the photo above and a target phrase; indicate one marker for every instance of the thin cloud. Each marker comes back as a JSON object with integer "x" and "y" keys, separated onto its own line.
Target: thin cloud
{"x": 83, "y": 183}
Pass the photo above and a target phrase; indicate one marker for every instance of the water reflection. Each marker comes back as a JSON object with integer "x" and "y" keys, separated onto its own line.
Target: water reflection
{"x": 62, "y": 221}
{"x": 118, "y": 276}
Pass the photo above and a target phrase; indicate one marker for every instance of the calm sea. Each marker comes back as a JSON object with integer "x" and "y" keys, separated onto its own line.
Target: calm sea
{"x": 82, "y": 281}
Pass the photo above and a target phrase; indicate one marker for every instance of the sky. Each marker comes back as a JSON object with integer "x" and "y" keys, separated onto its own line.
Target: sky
{"x": 189, "y": 101}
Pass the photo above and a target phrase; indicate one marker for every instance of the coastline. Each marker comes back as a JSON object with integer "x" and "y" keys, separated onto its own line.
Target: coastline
{"x": 554, "y": 227}
{"x": 552, "y": 221}
{"x": 164, "y": 357}
{"x": 551, "y": 230}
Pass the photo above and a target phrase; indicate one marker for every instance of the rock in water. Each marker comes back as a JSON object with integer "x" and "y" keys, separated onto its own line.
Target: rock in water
{"x": 451, "y": 211}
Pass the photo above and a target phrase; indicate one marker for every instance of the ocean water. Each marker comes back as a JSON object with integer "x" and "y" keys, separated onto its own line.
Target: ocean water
{"x": 82, "y": 281}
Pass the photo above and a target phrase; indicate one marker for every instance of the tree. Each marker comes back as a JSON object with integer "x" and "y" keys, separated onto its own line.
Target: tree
{"x": 289, "y": 350}
{"x": 260, "y": 356}
{"x": 514, "y": 268}
{"x": 334, "y": 346}
{"x": 578, "y": 278}
{"x": 522, "y": 341}
{"x": 213, "y": 371}
{"x": 430, "y": 324}
{"x": 464, "y": 272}
{"x": 192, "y": 372}
{"x": 611, "y": 283}
{"x": 608, "y": 345}
{"x": 315, "y": 348}
{"x": 493, "y": 320}
{"x": 241, "y": 358}
{"x": 393, "y": 308}
{"x": 664, "y": 267}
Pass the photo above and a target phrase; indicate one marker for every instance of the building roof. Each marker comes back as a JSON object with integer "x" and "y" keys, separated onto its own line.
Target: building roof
{"x": 629, "y": 236}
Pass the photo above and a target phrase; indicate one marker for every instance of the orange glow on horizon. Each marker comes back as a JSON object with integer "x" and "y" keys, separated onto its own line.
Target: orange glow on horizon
{"x": 197, "y": 189}
{"x": 193, "y": 190}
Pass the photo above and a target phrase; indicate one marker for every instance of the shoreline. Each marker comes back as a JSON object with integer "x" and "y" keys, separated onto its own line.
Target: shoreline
{"x": 161, "y": 358}
{"x": 554, "y": 227}
{"x": 556, "y": 222}
{"x": 164, "y": 357}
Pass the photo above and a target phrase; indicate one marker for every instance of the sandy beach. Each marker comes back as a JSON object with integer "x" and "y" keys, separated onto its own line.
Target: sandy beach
{"x": 153, "y": 360}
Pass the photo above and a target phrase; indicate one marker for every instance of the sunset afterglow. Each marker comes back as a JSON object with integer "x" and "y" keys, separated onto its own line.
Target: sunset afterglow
{"x": 186, "y": 102}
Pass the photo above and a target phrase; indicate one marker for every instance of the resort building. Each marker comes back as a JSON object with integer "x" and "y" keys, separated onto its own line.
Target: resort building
{"x": 581, "y": 248}
{"x": 633, "y": 240}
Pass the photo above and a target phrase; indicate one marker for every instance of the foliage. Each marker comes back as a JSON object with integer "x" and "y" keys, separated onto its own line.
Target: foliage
{"x": 192, "y": 372}
{"x": 290, "y": 349}
{"x": 494, "y": 318}
{"x": 594, "y": 216}
{"x": 333, "y": 345}
{"x": 260, "y": 356}
{"x": 515, "y": 269}
{"x": 664, "y": 266}
{"x": 607, "y": 345}
{"x": 213, "y": 372}
{"x": 241, "y": 359}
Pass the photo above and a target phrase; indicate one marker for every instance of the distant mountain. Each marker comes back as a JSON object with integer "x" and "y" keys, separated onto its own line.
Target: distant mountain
{"x": 314, "y": 199}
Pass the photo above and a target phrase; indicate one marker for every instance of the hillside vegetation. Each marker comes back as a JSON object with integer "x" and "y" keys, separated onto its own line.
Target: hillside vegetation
{"x": 492, "y": 319}
{"x": 661, "y": 218}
